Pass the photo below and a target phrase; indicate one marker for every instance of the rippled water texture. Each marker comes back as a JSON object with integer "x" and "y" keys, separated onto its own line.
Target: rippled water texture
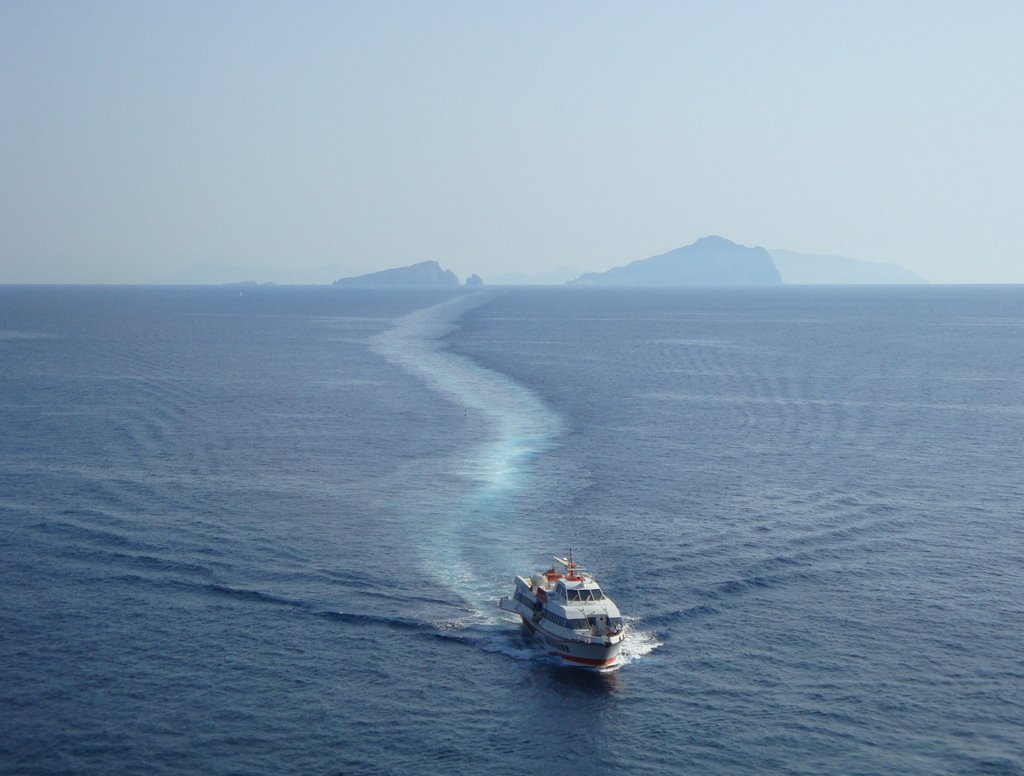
{"x": 264, "y": 529}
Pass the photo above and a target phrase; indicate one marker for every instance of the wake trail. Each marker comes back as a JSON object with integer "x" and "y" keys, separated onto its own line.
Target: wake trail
{"x": 482, "y": 532}
{"x": 477, "y": 543}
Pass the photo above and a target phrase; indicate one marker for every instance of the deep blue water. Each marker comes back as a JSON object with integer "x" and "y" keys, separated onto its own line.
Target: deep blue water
{"x": 263, "y": 530}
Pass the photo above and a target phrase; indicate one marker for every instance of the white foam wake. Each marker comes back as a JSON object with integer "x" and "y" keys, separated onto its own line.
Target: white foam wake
{"x": 484, "y": 528}
{"x": 512, "y": 642}
{"x": 638, "y": 644}
{"x": 480, "y": 531}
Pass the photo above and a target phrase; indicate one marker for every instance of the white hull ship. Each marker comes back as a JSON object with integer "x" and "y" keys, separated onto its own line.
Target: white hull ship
{"x": 570, "y": 614}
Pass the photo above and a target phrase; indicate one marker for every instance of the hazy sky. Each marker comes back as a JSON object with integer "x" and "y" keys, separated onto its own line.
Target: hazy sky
{"x": 139, "y": 138}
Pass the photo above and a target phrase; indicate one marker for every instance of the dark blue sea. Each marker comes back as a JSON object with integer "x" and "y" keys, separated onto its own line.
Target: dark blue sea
{"x": 263, "y": 529}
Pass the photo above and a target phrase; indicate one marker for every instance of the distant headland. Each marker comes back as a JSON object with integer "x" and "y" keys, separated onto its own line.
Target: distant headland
{"x": 711, "y": 261}
{"x": 424, "y": 274}
{"x": 815, "y": 269}
{"x": 716, "y": 261}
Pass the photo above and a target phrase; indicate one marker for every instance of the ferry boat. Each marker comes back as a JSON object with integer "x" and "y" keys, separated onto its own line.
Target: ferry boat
{"x": 570, "y": 614}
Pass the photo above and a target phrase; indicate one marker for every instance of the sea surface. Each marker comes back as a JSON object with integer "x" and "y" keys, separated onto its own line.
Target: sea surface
{"x": 264, "y": 529}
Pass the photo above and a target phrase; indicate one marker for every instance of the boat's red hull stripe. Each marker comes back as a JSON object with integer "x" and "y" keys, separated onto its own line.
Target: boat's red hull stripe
{"x": 585, "y": 660}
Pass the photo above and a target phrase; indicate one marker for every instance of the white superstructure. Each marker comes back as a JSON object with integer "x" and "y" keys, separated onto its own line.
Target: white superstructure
{"x": 570, "y": 614}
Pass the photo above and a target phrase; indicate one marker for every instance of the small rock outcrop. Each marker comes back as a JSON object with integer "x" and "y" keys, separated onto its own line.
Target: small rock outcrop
{"x": 474, "y": 281}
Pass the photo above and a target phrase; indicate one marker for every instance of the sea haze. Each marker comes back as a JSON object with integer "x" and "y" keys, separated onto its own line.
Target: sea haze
{"x": 264, "y": 529}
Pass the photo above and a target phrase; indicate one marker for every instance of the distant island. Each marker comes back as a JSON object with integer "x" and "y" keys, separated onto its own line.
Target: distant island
{"x": 814, "y": 269}
{"x": 716, "y": 261}
{"x": 424, "y": 274}
{"x": 711, "y": 261}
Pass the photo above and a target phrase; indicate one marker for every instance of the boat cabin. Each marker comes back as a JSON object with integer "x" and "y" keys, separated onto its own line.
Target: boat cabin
{"x": 582, "y": 591}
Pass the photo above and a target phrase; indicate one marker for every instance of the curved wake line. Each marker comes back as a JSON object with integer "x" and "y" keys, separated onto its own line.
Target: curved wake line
{"x": 519, "y": 427}
{"x": 480, "y": 529}
{"x": 523, "y": 425}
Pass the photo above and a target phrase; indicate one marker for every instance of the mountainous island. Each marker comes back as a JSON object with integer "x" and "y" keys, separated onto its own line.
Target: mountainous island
{"x": 711, "y": 261}
{"x": 715, "y": 261}
{"x": 424, "y": 274}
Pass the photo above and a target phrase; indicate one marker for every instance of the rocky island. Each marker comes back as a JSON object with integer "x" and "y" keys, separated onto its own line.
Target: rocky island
{"x": 424, "y": 274}
{"x": 711, "y": 261}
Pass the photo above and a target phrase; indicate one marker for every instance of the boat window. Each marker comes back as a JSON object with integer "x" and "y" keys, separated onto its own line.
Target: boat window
{"x": 574, "y": 595}
{"x": 598, "y": 595}
{"x": 585, "y": 595}
{"x": 557, "y": 619}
